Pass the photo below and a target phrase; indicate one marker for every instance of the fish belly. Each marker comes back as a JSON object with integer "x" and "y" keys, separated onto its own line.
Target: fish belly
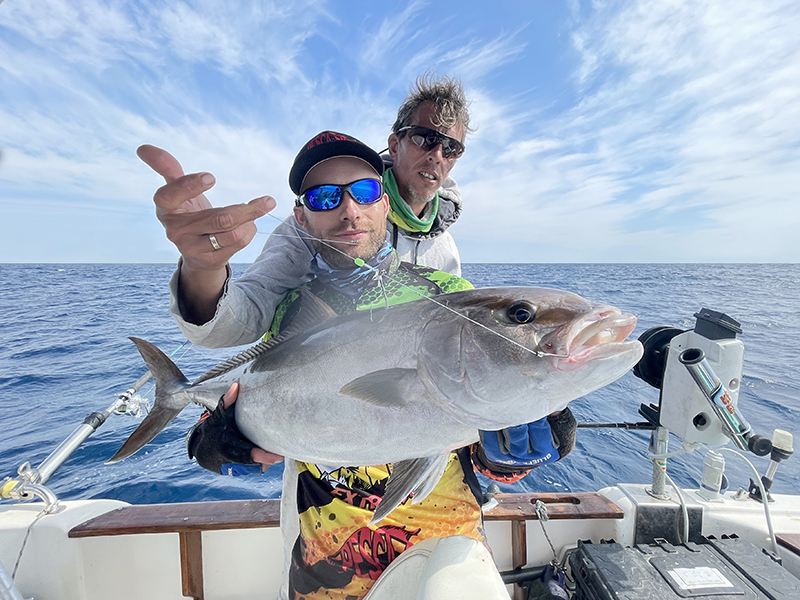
{"x": 312, "y": 423}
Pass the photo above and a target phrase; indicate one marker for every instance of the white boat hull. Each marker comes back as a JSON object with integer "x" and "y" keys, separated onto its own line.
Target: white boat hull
{"x": 240, "y": 564}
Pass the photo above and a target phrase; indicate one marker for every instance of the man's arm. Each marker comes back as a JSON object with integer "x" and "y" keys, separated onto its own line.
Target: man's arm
{"x": 245, "y": 310}
{"x": 190, "y": 221}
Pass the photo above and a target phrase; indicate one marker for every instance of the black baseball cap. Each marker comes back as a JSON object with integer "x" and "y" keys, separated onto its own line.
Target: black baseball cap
{"x": 326, "y": 145}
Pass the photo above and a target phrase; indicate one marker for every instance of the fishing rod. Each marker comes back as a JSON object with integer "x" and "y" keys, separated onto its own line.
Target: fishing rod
{"x": 29, "y": 482}
{"x": 640, "y": 426}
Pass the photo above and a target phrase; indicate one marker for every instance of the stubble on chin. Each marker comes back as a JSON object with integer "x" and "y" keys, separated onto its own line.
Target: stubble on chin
{"x": 333, "y": 257}
{"x": 340, "y": 259}
{"x": 409, "y": 194}
{"x": 415, "y": 197}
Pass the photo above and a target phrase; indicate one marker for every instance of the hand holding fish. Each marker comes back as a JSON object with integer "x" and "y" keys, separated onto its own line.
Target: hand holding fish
{"x": 205, "y": 236}
{"x": 218, "y": 445}
{"x": 258, "y": 455}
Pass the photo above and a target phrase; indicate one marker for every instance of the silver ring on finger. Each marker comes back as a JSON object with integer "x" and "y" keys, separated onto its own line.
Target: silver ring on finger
{"x": 214, "y": 242}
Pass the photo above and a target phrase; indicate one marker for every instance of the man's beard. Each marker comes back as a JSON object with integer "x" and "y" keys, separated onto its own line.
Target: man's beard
{"x": 337, "y": 259}
{"x": 415, "y": 197}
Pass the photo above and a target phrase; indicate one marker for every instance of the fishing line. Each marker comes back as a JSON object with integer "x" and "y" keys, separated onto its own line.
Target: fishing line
{"x": 360, "y": 263}
{"x": 42, "y": 513}
{"x": 311, "y": 237}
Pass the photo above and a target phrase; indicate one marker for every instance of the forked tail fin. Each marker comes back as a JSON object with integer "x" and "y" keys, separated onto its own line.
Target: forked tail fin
{"x": 168, "y": 401}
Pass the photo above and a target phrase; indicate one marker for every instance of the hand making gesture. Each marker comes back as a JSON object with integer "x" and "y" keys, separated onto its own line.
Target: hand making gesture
{"x": 205, "y": 236}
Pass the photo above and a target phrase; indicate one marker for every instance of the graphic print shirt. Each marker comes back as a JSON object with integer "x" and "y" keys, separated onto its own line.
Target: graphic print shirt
{"x": 338, "y": 555}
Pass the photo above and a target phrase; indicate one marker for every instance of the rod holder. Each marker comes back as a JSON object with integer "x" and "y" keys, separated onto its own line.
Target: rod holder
{"x": 733, "y": 423}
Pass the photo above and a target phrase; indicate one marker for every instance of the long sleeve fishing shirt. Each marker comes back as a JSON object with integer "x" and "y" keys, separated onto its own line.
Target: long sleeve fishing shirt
{"x": 245, "y": 310}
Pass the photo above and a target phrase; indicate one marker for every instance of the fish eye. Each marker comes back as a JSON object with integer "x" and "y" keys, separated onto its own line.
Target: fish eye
{"x": 521, "y": 312}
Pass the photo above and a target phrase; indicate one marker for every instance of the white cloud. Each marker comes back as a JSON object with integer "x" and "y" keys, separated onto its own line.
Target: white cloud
{"x": 683, "y": 106}
{"x": 674, "y": 110}
{"x": 396, "y": 32}
{"x": 263, "y": 38}
{"x": 481, "y": 57}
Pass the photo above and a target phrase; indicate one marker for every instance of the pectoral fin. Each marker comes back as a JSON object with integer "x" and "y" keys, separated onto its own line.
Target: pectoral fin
{"x": 389, "y": 387}
{"x": 418, "y": 476}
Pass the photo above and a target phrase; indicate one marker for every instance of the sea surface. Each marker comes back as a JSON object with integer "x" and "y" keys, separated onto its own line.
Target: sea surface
{"x": 64, "y": 353}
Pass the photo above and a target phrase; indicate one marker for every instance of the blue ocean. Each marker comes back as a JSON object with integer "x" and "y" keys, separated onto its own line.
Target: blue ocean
{"x": 64, "y": 353}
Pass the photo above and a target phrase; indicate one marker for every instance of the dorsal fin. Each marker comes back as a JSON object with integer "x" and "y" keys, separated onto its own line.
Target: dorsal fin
{"x": 237, "y": 361}
{"x": 311, "y": 312}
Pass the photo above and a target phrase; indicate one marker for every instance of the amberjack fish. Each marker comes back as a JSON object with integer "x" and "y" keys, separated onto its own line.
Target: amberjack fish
{"x": 405, "y": 384}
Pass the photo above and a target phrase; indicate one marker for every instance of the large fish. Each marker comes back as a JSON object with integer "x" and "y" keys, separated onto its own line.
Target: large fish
{"x": 405, "y": 384}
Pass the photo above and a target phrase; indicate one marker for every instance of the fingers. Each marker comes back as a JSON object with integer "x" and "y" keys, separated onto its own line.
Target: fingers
{"x": 183, "y": 194}
{"x": 189, "y": 218}
{"x": 161, "y": 161}
{"x": 233, "y": 228}
{"x": 264, "y": 458}
{"x": 231, "y": 395}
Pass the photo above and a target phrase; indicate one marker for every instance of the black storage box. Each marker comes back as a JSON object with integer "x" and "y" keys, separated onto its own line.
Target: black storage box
{"x": 726, "y": 569}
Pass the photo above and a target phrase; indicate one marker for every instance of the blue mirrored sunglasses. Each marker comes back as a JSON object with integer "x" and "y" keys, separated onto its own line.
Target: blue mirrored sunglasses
{"x": 329, "y": 196}
{"x": 428, "y": 139}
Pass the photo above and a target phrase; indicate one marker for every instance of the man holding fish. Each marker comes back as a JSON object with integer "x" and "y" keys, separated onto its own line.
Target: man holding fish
{"x": 426, "y": 141}
{"x": 328, "y": 508}
{"x": 342, "y": 205}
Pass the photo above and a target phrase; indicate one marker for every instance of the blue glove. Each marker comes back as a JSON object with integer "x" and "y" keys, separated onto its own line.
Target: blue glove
{"x": 529, "y": 445}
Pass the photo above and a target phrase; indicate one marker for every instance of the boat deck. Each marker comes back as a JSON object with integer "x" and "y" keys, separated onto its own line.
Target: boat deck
{"x": 190, "y": 519}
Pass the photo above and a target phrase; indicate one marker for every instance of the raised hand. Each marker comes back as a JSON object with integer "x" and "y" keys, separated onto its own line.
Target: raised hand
{"x": 205, "y": 236}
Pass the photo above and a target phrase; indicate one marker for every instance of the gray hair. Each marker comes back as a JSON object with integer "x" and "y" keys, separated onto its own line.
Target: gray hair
{"x": 448, "y": 99}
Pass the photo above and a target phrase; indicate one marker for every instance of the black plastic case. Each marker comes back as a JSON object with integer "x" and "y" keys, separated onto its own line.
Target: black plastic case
{"x": 725, "y": 569}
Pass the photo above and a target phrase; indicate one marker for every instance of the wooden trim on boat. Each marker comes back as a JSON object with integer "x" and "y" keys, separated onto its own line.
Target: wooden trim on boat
{"x": 519, "y": 553}
{"x": 790, "y": 541}
{"x": 182, "y": 517}
{"x": 519, "y": 508}
{"x": 579, "y": 505}
{"x": 191, "y": 549}
{"x": 190, "y": 519}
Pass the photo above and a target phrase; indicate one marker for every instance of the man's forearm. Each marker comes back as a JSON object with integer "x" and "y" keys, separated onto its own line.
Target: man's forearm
{"x": 199, "y": 292}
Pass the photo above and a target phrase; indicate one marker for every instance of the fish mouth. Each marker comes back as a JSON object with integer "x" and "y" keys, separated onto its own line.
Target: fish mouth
{"x": 597, "y": 335}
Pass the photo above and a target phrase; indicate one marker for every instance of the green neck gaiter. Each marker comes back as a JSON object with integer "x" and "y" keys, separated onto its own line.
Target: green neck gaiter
{"x": 400, "y": 213}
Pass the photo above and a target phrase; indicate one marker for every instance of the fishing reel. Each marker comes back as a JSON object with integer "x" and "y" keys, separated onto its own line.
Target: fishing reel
{"x": 698, "y": 373}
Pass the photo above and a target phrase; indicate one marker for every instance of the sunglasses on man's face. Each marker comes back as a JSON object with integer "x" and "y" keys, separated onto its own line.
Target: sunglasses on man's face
{"x": 428, "y": 139}
{"x": 329, "y": 196}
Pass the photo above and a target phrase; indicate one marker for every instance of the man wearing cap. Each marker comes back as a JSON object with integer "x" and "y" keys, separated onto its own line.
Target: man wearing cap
{"x": 427, "y": 138}
{"x": 331, "y": 550}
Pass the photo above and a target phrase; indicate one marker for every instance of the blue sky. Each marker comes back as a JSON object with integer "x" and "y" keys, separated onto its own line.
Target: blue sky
{"x": 606, "y": 131}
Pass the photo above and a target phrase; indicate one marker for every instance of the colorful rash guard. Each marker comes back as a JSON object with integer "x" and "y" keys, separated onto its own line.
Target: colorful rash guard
{"x": 337, "y": 554}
